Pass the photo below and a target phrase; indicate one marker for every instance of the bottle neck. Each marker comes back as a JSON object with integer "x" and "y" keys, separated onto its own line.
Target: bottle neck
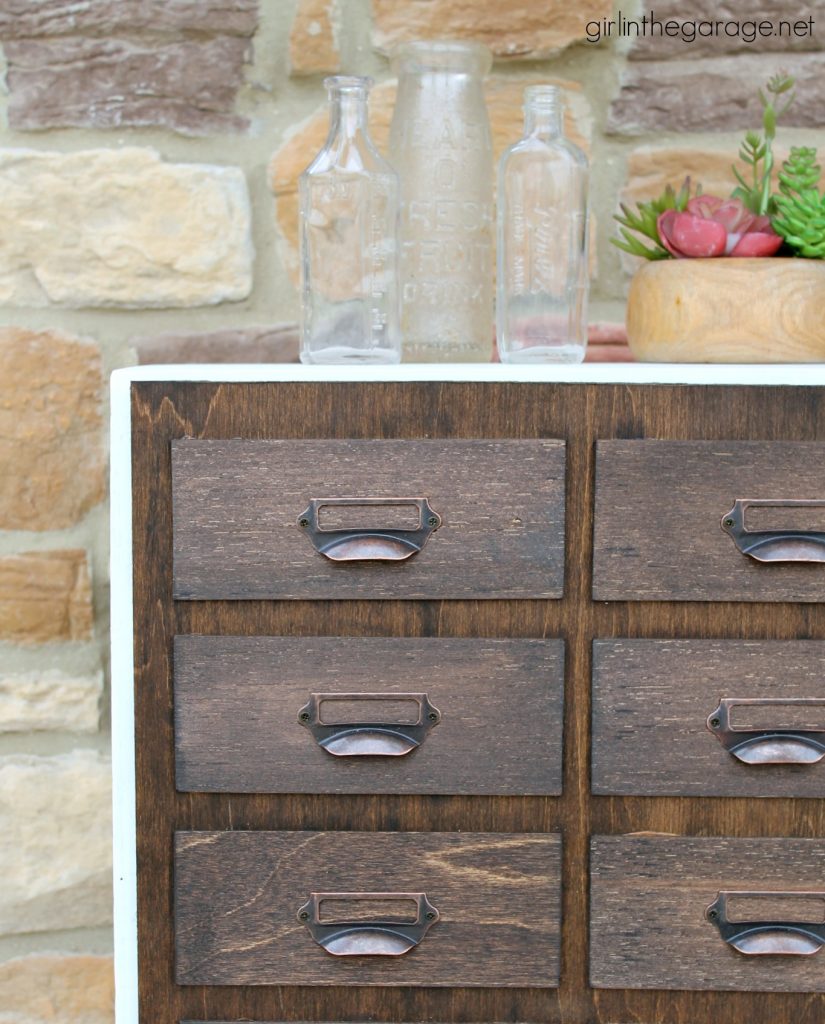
{"x": 348, "y": 113}
{"x": 543, "y": 120}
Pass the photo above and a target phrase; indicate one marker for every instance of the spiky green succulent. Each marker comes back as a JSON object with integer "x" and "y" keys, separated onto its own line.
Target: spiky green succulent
{"x": 800, "y": 207}
{"x": 643, "y": 220}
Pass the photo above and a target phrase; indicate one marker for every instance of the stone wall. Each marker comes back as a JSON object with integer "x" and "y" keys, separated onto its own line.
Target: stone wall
{"x": 148, "y": 160}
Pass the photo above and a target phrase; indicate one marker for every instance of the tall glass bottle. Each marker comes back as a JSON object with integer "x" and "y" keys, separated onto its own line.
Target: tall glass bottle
{"x": 542, "y": 282}
{"x": 440, "y": 143}
{"x": 349, "y": 230}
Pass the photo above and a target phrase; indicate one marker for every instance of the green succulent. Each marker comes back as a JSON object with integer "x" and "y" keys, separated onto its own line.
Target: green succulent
{"x": 756, "y": 151}
{"x": 800, "y": 207}
{"x": 643, "y": 220}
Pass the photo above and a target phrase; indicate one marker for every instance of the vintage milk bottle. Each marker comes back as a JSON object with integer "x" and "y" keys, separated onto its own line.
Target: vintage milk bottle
{"x": 440, "y": 144}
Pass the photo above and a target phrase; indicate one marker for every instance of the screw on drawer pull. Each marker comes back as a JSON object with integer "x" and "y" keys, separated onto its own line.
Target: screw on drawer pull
{"x": 380, "y": 541}
{"x": 769, "y": 938}
{"x": 774, "y": 545}
{"x": 768, "y": 745}
{"x": 342, "y": 724}
{"x": 386, "y": 933}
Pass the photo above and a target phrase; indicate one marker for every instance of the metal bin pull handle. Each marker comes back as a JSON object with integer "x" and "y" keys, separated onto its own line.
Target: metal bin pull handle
{"x": 774, "y": 545}
{"x": 384, "y": 935}
{"x": 767, "y": 938}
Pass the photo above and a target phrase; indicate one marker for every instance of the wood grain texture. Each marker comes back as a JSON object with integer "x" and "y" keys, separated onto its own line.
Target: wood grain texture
{"x": 237, "y": 895}
{"x": 652, "y": 699}
{"x": 648, "y": 900}
{"x": 237, "y": 503}
{"x": 237, "y": 701}
{"x": 760, "y": 310}
{"x": 659, "y": 505}
{"x": 581, "y": 415}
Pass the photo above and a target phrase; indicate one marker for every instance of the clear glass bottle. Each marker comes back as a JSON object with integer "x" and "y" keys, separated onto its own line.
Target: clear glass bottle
{"x": 440, "y": 143}
{"x": 542, "y": 283}
{"x": 349, "y": 240}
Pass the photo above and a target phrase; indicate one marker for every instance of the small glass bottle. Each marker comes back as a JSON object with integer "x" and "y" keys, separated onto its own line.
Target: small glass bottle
{"x": 440, "y": 142}
{"x": 542, "y": 284}
{"x": 349, "y": 229}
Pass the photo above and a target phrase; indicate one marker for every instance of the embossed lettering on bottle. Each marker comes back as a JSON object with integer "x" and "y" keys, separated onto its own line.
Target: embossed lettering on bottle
{"x": 441, "y": 146}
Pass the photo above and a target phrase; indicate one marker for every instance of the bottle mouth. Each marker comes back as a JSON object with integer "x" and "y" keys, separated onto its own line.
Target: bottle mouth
{"x": 542, "y": 95}
{"x": 442, "y": 55}
{"x": 348, "y": 83}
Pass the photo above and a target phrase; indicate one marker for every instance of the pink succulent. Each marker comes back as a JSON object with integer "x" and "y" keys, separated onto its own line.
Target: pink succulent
{"x": 716, "y": 227}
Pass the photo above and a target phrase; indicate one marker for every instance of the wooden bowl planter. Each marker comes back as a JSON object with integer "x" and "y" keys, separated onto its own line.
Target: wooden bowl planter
{"x": 728, "y": 310}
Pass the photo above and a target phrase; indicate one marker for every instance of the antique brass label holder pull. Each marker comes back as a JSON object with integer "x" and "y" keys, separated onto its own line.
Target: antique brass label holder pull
{"x": 387, "y": 934}
{"x": 368, "y": 737}
{"x": 774, "y": 545}
{"x": 768, "y": 745}
{"x": 369, "y": 543}
{"x": 768, "y": 938}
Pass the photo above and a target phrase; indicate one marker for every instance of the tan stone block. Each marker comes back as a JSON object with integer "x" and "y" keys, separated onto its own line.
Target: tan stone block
{"x": 57, "y": 989}
{"x": 52, "y": 460}
{"x": 526, "y": 28}
{"x": 50, "y": 701}
{"x": 121, "y": 228}
{"x": 504, "y": 96}
{"x": 45, "y": 596}
{"x": 55, "y": 842}
{"x": 313, "y": 41}
{"x": 651, "y": 168}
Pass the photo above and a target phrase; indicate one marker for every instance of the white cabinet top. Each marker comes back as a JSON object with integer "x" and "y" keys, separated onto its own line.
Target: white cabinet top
{"x": 583, "y": 373}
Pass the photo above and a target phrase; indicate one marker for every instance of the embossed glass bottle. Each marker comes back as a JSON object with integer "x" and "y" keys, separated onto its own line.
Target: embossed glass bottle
{"x": 542, "y": 282}
{"x": 440, "y": 143}
{"x": 349, "y": 240}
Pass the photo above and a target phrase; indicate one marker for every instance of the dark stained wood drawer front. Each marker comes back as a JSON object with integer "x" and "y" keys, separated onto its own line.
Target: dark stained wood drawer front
{"x": 496, "y": 509}
{"x": 299, "y": 714}
{"x": 709, "y": 718}
{"x": 658, "y": 533}
{"x": 495, "y": 900}
{"x": 652, "y": 899}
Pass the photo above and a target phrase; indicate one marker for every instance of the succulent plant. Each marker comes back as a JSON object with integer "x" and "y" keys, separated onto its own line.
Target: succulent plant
{"x": 644, "y": 220}
{"x": 711, "y": 226}
{"x": 800, "y": 208}
{"x": 753, "y": 221}
{"x": 757, "y": 150}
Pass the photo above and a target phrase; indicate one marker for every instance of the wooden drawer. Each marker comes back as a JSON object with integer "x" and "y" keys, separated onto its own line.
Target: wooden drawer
{"x": 649, "y": 926}
{"x": 658, "y": 532}
{"x": 653, "y": 701}
{"x": 237, "y": 506}
{"x": 238, "y": 896}
{"x": 298, "y": 714}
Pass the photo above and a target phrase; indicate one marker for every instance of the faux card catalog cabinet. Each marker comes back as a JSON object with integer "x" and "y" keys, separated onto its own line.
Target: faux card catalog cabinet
{"x": 470, "y": 700}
